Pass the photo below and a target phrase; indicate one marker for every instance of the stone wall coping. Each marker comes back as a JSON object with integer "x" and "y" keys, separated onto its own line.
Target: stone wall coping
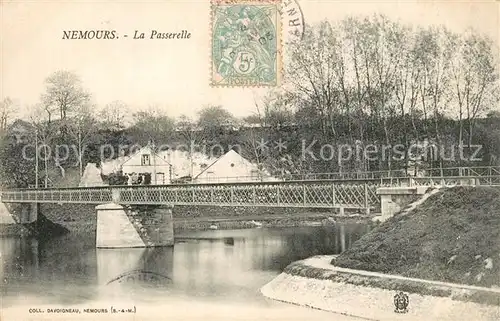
{"x": 402, "y": 190}
{"x": 323, "y": 262}
{"x": 109, "y": 206}
{"x": 315, "y": 283}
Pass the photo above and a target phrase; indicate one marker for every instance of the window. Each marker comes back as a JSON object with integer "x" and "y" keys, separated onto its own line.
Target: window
{"x": 145, "y": 161}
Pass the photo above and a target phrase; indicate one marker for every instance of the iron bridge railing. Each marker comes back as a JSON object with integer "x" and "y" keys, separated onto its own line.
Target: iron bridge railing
{"x": 313, "y": 194}
{"x": 354, "y": 194}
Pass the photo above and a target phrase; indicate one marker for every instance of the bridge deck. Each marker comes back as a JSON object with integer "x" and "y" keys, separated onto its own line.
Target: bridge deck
{"x": 354, "y": 194}
{"x": 313, "y": 194}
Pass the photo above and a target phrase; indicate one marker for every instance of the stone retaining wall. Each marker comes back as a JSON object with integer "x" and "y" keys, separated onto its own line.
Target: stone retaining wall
{"x": 314, "y": 282}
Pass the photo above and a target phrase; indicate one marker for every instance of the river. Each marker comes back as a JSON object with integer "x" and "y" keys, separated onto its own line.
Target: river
{"x": 219, "y": 271}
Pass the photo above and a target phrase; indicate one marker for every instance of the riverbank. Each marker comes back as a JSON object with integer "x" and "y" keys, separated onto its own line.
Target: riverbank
{"x": 316, "y": 283}
{"x": 453, "y": 236}
{"x": 43, "y": 228}
{"x": 81, "y": 218}
{"x": 57, "y": 219}
{"x": 445, "y": 253}
{"x": 298, "y": 220}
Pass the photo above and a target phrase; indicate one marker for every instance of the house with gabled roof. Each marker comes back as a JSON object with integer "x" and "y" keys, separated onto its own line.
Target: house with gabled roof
{"x": 230, "y": 168}
{"x": 147, "y": 161}
{"x": 186, "y": 164}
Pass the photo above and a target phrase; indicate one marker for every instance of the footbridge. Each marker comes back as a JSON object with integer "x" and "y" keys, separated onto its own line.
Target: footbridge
{"x": 309, "y": 194}
{"x": 119, "y": 226}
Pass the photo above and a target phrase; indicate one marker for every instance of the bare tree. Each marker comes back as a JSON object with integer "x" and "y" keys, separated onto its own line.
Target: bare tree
{"x": 63, "y": 94}
{"x": 212, "y": 118}
{"x": 383, "y": 58}
{"x": 113, "y": 116}
{"x": 406, "y": 89}
{"x": 6, "y": 110}
{"x": 433, "y": 54}
{"x": 154, "y": 123}
{"x": 311, "y": 72}
{"x": 270, "y": 116}
{"x": 44, "y": 133}
{"x": 81, "y": 126}
{"x": 476, "y": 78}
{"x": 252, "y": 142}
{"x": 353, "y": 46}
{"x": 191, "y": 134}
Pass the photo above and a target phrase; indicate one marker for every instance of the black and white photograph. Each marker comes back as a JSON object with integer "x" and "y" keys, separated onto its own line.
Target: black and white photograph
{"x": 250, "y": 160}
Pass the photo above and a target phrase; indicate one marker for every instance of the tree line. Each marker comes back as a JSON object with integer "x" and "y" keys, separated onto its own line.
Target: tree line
{"x": 355, "y": 82}
{"x": 373, "y": 79}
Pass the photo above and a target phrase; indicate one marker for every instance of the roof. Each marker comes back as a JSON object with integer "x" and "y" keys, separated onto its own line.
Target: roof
{"x": 148, "y": 147}
{"x": 185, "y": 163}
{"x": 228, "y": 154}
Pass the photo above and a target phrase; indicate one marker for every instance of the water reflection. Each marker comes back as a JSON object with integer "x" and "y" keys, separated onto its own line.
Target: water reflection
{"x": 274, "y": 249}
{"x": 133, "y": 272}
{"x": 21, "y": 254}
{"x": 214, "y": 264}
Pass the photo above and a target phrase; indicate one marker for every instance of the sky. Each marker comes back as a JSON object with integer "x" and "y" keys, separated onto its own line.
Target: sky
{"x": 170, "y": 74}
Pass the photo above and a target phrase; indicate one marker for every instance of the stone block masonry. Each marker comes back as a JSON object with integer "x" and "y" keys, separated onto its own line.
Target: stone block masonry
{"x": 154, "y": 224}
{"x": 114, "y": 229}
{"x": 22, "y": 213}
{"x": 394, "y": 199}
{"x": 122, "y": 227}
{"x": 5, "y": 215}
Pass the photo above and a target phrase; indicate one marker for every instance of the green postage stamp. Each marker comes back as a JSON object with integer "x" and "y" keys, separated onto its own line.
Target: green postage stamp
{"x": 246, "y": 43}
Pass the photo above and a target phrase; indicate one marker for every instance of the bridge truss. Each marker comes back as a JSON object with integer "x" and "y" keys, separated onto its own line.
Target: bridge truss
{"x": 354, "y": 193}
{"x": 313, "y": 194}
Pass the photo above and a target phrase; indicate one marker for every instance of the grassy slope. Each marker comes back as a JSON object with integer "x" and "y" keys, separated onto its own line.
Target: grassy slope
{"x": 447, "y": 238}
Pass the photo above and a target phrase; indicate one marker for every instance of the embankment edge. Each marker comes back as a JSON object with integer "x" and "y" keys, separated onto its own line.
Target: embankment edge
{"x": 315, "y": 283}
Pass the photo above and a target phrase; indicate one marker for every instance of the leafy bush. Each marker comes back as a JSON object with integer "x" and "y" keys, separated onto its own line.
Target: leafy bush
{"x": 116, "y": 179}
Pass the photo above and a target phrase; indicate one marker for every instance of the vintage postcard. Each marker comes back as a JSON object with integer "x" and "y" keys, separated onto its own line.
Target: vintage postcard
{"x": 249, "y": 160}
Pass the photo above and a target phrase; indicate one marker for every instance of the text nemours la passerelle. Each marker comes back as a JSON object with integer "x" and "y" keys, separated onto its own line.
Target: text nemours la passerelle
{"x": 113, "y": 34}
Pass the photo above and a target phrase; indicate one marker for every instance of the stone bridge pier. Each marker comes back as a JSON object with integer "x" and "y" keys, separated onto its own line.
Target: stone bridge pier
{"x": 20, "y": 213}
{"x": 394, "y": 199}
{"x": 120, "y": 226}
